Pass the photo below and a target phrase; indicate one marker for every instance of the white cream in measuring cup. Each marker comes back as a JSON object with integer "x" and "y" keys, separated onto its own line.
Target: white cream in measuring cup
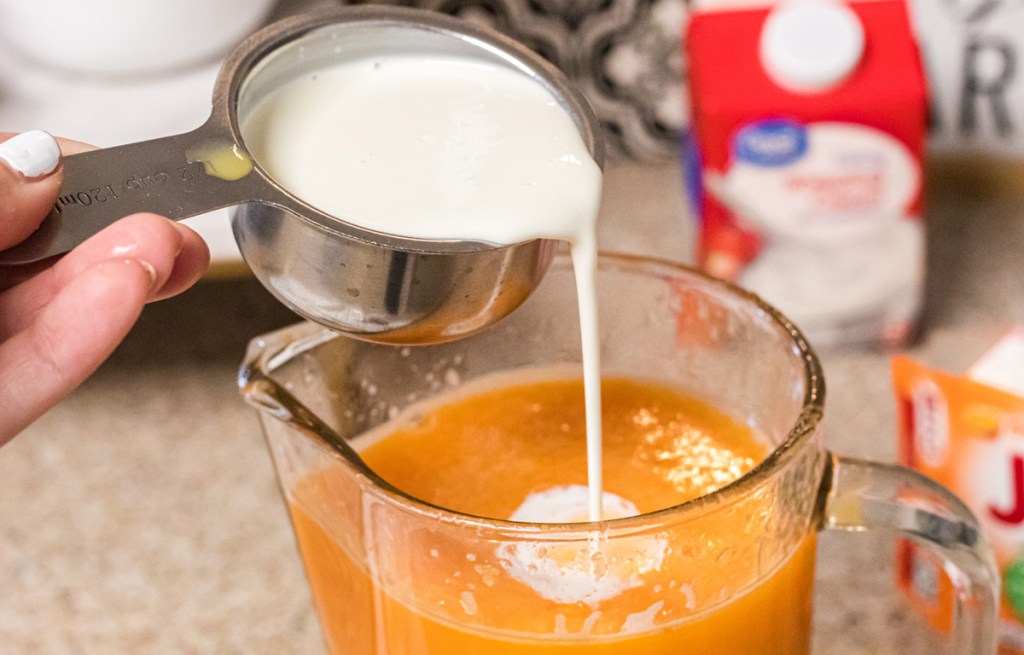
{"x": 443, "y": 148}
{"x": 369, "y": 284}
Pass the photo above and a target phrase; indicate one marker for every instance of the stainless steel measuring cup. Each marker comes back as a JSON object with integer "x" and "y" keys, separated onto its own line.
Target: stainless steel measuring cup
{"x": 376, "y": 286}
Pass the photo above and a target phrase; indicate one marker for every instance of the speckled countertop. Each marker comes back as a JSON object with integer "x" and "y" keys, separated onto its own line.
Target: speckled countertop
{"x": 142, "y": 514}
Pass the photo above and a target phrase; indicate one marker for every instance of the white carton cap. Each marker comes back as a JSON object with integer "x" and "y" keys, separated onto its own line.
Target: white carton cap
{"x": 808, "y": 46}
{"x": 1002, "y": 366}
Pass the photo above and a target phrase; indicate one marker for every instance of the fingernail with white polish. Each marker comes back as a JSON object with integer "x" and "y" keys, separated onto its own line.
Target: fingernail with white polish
{"x": 33, "y": 154}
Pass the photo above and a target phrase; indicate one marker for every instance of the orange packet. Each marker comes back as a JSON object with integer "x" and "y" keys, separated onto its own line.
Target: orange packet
{"x": 967, "y": 433}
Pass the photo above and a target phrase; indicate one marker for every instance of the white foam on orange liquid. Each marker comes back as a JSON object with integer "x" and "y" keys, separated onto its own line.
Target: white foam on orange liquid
{"x": 579, "y": 572}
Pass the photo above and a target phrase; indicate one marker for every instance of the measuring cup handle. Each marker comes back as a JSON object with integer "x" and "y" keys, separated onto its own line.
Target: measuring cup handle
{"x": 866, "y": 495}
{"x": 176, "y": 176}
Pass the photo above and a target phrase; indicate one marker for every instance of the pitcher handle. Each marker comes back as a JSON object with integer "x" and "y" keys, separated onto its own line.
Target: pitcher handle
{"x": 867, "y": 495}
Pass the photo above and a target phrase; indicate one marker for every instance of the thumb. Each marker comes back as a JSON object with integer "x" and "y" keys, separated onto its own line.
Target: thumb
{"x": 30, "y": 178}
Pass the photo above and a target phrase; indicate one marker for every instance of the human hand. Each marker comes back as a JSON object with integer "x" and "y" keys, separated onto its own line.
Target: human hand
{"x": 60, "y": 320}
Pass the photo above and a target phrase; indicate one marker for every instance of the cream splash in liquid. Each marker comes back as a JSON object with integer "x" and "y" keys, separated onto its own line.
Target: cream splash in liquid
{"x": 445, "y": 148}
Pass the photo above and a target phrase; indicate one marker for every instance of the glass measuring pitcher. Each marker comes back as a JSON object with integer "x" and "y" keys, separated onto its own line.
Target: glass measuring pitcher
{"x": 393, "y": 574}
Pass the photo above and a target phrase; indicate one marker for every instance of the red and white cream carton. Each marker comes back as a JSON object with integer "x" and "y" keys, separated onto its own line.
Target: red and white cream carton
{"x": 804, "y": 161}
{"x": 967, "y": 433}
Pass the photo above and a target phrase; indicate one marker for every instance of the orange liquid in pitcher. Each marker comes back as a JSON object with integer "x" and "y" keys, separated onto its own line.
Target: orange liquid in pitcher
{"x": 696, "y": 588}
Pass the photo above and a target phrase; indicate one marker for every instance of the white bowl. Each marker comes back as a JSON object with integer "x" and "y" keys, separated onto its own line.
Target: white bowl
{"x": 124, "y": 37}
